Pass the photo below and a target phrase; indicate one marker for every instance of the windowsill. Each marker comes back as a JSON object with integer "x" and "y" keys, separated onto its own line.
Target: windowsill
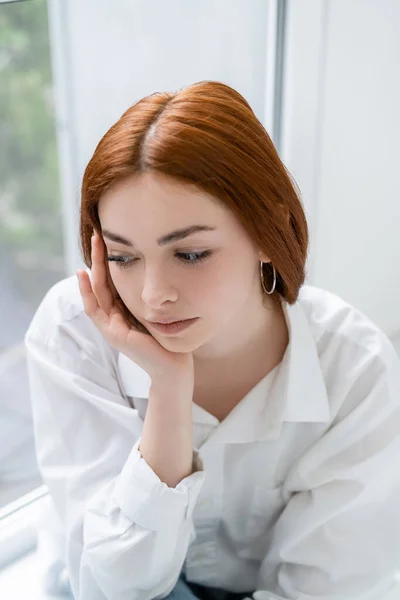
{"x": 23, "y": 579}
{"x": 18, "y": 526}
{"x": 10, "y": 490}
{"x": 23, "y": 572}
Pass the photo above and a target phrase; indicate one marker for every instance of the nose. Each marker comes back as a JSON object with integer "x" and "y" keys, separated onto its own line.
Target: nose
{"x": 157, "y": 288}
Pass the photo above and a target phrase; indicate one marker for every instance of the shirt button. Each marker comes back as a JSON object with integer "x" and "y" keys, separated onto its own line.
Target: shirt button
{"x": 205, "y": 502}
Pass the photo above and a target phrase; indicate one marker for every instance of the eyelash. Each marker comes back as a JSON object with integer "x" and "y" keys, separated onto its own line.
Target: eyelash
{"x": 123, "y": 262}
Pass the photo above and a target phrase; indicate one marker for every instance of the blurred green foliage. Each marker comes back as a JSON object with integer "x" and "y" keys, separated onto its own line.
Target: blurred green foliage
{"x": 30, "y": 219}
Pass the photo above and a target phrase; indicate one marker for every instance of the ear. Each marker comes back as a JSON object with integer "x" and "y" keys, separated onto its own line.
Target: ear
{"x": 263, "y": 257}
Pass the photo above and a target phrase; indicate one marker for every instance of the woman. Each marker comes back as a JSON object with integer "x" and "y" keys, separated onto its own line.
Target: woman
{"x": 251, "y": 448}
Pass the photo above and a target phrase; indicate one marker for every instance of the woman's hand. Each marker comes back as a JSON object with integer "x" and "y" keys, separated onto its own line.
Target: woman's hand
{"x": 104, "y": 307}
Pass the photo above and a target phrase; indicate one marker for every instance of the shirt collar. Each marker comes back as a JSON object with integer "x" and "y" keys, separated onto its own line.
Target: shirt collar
{"x": 293, "y": 392}
{"x": 304, "y": 385}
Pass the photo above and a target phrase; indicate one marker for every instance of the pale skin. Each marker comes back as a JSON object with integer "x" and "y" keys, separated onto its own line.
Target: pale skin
{"x": 240, "y": 334}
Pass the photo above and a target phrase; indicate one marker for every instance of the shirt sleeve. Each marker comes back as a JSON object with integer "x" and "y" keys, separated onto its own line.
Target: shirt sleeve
{"x": 338, "y": 537}
{"x": 127, "y": 533}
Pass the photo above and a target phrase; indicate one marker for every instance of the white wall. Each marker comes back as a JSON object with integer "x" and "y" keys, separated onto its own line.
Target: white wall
{"x": 342, "y": 143}
{"x": 107, "y": 55}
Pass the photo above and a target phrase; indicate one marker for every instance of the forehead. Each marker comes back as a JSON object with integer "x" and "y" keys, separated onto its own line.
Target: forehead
{"x": 151, "y": 195}
{"x": 149, "y": 206}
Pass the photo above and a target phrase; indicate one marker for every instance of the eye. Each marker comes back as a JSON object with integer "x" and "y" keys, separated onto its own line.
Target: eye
{"x": 126, "y": 261}
{"x": 199, "y": 256}
{"x": 121, "y": 261}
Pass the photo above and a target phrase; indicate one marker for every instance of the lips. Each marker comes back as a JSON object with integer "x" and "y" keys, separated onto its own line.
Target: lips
{"x": 173, "y": 328}
{"x": 168, "y": 322}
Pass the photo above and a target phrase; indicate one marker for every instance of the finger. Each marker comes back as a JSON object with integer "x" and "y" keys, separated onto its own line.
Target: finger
{"x": 110, "y": 282}
{"x": 113, "y": 327}
{"x": 90, "y": 303}
{"x": 100, "y": 285}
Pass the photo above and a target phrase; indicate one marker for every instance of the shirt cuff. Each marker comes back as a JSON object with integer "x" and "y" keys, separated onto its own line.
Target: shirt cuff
{"x": 149, "y": 502}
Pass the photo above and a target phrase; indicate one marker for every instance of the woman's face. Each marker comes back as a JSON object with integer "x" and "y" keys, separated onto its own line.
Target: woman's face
{"x": 211, "y": 274}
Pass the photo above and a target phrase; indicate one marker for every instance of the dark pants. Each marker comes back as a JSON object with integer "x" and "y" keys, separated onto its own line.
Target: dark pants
{"x": 185, "y": 590}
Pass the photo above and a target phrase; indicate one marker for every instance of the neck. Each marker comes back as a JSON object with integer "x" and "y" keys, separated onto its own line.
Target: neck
{"x": 250, "y": 345}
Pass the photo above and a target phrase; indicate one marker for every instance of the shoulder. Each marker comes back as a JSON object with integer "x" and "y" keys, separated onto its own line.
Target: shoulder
{"x": 61, "y": 323}
{"x": 61, "y": 303}
{"x": 354, "y": 354}
{"x": 333, "y": 320}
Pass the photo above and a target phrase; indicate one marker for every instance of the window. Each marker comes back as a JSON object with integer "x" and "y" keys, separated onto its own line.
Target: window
{"x": 31, "y": 244}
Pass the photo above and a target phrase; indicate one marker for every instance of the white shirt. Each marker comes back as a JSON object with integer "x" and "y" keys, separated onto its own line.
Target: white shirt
{"x": 297, "y": 491}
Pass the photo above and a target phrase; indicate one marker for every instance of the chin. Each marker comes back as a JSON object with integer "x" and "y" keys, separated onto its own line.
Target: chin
{"x": 178, "y": 344}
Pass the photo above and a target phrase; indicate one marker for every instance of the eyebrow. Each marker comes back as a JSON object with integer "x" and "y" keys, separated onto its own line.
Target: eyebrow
{"x": 173, "y": 236}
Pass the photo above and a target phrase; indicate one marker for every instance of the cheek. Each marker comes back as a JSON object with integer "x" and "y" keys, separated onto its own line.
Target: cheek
{"x": 234, "y": 285}
{"x": 216, "y": 291}
{"x": 117, "y": 278}
{"x": 124, "y": 284}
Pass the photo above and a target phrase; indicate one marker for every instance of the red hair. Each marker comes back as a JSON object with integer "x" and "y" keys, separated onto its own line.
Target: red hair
{"x": 207, "y": 134}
